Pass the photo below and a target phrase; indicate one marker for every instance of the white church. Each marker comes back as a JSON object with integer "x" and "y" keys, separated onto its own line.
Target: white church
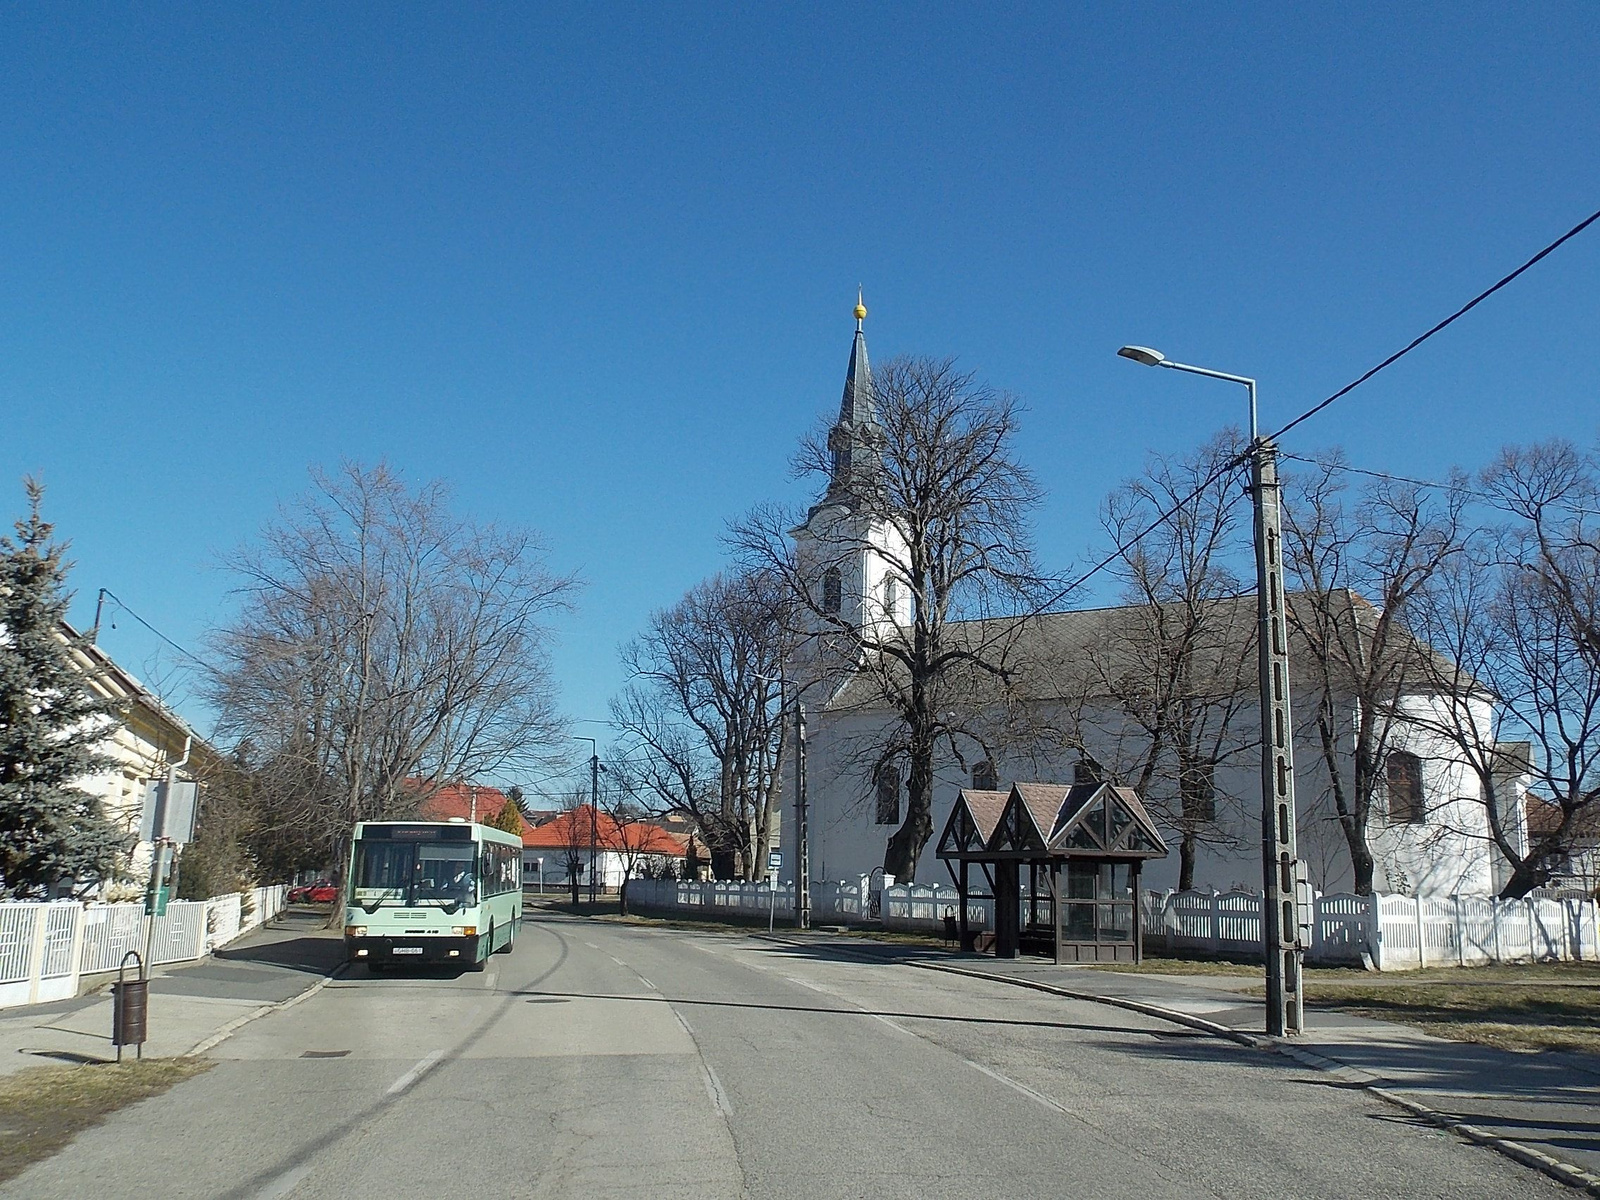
{"x": 1428, "y": 833}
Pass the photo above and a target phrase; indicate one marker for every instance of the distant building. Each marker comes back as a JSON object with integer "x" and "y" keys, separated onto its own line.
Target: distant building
{"x": 596, "y": 845}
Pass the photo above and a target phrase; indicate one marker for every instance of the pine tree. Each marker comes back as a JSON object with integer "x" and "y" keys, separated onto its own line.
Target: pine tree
{"x": 509, "y": 818}
{"x": 51, "y": 725}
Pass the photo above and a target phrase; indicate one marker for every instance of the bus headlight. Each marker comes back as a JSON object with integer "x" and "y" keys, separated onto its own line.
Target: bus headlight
{"x": 464, "y": 930}
{"x": 355, "y": 931}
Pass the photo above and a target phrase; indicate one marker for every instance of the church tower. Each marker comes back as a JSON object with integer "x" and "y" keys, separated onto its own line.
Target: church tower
{"x": 850, "y": 553}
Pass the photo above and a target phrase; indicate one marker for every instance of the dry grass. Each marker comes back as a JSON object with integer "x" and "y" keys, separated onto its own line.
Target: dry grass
{"x": 44, "y": 1108}
{"x": 1547, "y": 1009}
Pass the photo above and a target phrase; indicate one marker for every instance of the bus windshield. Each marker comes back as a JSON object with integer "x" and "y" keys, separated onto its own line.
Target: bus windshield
{"x": 413, "y": 873}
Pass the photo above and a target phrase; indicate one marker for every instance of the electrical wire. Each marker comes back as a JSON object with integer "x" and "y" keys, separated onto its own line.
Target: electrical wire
{"x": 117, "y": 600}
{"x": 1122, "y": 548}
{"x": 1451, "y": 319}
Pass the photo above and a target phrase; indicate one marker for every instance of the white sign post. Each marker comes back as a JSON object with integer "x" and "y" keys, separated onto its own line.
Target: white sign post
{"x": 774, "y": 863}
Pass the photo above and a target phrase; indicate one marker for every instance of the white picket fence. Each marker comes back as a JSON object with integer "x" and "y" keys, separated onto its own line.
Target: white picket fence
{"x": 842, "y": 902}
{"x": 1393, "y": 933}
{"x": 46, "y": 947}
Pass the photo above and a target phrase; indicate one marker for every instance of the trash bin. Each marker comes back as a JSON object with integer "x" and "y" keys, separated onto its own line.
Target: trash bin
{"x": 130, "y": 1007}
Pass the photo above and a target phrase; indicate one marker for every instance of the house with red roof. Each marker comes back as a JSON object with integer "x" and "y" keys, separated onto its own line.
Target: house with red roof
{"x": 596, "y": 846}
{"x": 469, "y": 801}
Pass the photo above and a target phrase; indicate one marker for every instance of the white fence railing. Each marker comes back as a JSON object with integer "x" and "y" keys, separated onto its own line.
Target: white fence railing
{"x": 46, "y": 947}
{"x": 1393, "y": 933}
{"x": 843, "y": 902}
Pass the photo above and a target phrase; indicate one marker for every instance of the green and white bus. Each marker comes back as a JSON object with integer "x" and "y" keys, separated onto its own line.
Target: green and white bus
{"x": 437, "y": 892}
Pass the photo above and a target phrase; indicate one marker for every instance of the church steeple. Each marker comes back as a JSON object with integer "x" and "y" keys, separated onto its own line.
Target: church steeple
{"x": 856, "y": 440}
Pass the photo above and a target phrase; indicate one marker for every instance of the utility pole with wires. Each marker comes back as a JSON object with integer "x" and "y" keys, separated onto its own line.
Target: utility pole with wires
{"x": 1282, "y": 874}
{"x": 594, "y": 809}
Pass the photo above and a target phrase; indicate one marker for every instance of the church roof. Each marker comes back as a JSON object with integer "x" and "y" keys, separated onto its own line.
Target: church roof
{"x": 858, "y": 406}
{"x": 1097, "y": 653}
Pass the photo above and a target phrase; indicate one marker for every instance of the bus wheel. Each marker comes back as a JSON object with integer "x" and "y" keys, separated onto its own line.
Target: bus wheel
{"x": 479, "y": 964}
{"x": 510, "y": 940}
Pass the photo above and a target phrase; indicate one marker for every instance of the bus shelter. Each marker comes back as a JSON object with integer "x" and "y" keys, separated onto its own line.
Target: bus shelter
{"x": 1084, "y": 843}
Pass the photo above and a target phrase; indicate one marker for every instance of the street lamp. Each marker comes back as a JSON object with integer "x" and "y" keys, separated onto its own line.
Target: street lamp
{"x": 1280, "y": 865}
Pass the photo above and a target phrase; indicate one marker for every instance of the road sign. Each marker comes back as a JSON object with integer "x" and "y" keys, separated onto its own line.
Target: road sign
{"x": 774, "y": 859}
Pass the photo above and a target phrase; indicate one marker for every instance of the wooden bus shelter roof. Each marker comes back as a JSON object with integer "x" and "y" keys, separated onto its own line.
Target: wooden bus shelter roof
{"x": 1043, "y": 821}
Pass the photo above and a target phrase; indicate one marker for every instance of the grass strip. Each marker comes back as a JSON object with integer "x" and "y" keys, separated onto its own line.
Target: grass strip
{"x": 44, "y": 1108}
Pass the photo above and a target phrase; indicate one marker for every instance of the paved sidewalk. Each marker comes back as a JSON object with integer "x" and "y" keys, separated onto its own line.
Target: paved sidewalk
{"x": 189, "y": 1002}
{"x": 1548, "y": 1101}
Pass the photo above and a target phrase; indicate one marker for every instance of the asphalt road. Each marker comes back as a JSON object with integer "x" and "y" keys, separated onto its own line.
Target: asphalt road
{"x": 601, "y": 1059}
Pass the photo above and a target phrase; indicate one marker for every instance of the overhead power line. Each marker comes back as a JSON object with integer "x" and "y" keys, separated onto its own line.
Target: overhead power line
{"x": 108, "y": 594}
{"x": 1222, "y": 469}
{"x": 1453, "y": 317}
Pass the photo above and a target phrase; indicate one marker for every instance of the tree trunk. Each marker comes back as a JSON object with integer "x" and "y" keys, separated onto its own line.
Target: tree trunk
{"x": 622, "y": 897}
{"x": 1188, "y": 851}
{"x": 906, "y": 843}
{"x": 1524, "y": 879}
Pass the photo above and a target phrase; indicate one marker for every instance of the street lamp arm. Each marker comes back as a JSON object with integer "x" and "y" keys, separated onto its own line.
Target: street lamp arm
{"x": 1208, "y": 372}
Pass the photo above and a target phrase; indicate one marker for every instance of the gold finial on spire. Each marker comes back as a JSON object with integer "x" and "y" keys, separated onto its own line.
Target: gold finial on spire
{"x": 861, "y": 309}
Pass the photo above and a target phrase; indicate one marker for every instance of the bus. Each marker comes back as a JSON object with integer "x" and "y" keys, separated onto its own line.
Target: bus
{"x": 431, "y": 892}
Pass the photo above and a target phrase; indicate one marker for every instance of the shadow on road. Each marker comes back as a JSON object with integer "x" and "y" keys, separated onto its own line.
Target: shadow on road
{"x": 296, "y": 942}
{"x": 544, "y": 997}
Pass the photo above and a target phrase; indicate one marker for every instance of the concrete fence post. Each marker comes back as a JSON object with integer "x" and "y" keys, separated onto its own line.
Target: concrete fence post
{"x": 1216, "y": 925}
{"x": 1533, "y": 924}
{"x": 1422, "y": 934}
{"x": 1375, "y": 928}
{"x": 36, "y": 953}
{"x": 1461, "y": 936}
{"x": 1494, "y": 925}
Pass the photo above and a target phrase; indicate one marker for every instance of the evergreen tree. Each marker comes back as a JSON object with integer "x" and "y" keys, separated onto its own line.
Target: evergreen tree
{"x": 51, "y": 725}
{"x": 509, "y": 818}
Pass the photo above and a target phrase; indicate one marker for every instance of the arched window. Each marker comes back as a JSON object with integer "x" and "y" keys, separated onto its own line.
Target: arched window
{"x": 888, "y": 807}
{"x": 891, "y": 595}
{"x": 1404, "y": 777}
{"x": 984, "y": 777}
{"x": 832, "y": 590}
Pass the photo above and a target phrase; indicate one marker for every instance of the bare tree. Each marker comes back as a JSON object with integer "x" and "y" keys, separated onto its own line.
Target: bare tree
{"x": 383, "y": 646}
{"x": 703, "y": 711}
{"x": 1178, "y": 665}
{"x": 1519, "y": 620}
{"x": 1359, "y": 568}
{"x": 938, "y": 469}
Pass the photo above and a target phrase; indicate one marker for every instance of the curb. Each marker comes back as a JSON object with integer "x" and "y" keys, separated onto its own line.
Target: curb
{"x": 238, "y": 1023}
{"x": 1557, "y": 1169}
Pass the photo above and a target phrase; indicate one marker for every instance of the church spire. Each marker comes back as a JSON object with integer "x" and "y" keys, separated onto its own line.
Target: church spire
{"x": 856, "y": 440}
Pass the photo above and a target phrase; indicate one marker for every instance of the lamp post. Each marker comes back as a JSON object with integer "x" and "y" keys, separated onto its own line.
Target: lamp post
{"x": 594, "y": 806}
{"x": 1280, "y": 865}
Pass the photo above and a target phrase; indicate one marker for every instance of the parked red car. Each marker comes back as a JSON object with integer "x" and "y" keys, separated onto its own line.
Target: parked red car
{"x": 320, "y": 892}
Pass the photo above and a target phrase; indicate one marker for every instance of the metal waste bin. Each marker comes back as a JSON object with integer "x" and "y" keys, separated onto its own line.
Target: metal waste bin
{"x": 130, "y": 1006}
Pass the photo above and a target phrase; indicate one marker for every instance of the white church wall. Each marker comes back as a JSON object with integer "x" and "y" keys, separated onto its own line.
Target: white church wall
{"x": 1446, "y": 854}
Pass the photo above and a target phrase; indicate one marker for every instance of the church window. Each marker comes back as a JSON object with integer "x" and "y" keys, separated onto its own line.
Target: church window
{"x": 891, "y": 594}
{"x": 888, "y": 788}
{"x": 1404, "y": 777}
{"x": 984, "y": 777}
{"x": 832, "y": 590}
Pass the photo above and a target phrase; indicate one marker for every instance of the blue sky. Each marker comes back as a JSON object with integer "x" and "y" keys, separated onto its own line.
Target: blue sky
{"x": 595, "y": 265}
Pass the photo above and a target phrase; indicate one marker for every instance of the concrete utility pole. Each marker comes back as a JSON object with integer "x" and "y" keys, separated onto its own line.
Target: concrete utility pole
{"x": 1280, "y": 864}
{"x": 155, "y": 904}
{"x": 594, "y": 812}
{"x": 802, "y": 850}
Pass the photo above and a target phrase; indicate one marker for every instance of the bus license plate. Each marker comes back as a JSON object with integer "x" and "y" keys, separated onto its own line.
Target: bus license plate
{"x": 407, "y": 950}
